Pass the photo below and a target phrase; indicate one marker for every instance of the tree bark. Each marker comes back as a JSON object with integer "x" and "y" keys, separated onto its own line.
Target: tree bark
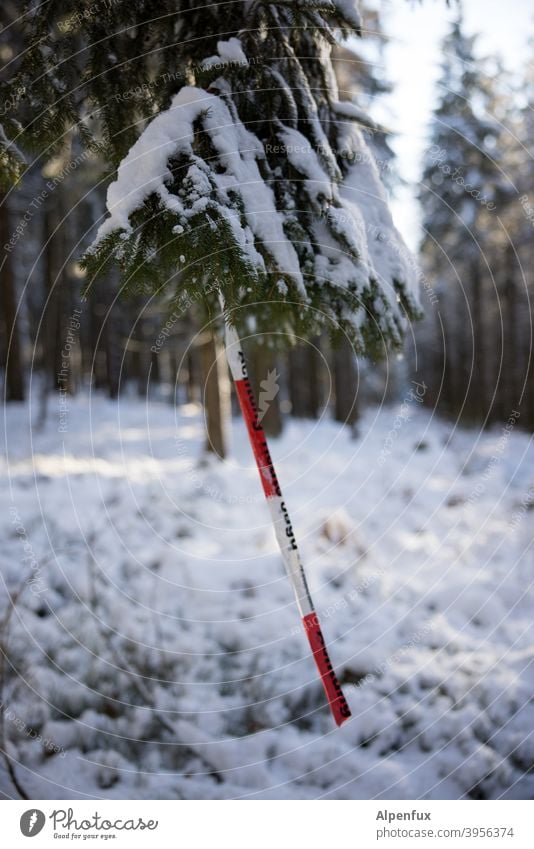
{"x": 305, "y": 390}
{"x": 59, "y": 305}
{"x": 345, "y": 384}
{"x": 315, "y": 387}
{"x": 479, "y": 392}
{"x": 216, "y": 393}
{"x": 113, "y": 354}
{"x": 510, "y": 382}
{"x": 458, "y": 355}
{"x": 14, "y": 375}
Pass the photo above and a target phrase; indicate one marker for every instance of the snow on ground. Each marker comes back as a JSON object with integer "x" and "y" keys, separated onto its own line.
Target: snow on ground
{"x": 155, "y": 650}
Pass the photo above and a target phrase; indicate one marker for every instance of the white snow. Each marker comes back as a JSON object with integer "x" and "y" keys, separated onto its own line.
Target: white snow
{"x": 351, "y": 10}
{"x": 351, "y": 110}
{"x": 355, "y": 241}
{"x": 417, "y": 538}
{"x": 365, "y": 203}
{"x": 306, "y": 161}
{"x": 10, "y": 145}
{"x": 145, "y": 170}
{"x": 227, "y": 51}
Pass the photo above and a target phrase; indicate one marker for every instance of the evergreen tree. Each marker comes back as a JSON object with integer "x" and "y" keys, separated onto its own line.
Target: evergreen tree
{"x": 11, "y": 164}
{"x": 360, "y": 74}
{"x": 360, "y": 77}
{"x": 11, "y": 354}
{"x": 239, "y": 168}
{"x": 461, "y": 187}
{"x": 515, "y": 250}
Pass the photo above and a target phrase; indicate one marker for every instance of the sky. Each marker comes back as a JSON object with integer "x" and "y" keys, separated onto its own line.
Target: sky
{"x": 412, "y": 63}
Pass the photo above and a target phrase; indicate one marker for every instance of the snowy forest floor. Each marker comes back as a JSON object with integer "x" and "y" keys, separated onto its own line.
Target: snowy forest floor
{"x": 155, "y": 650}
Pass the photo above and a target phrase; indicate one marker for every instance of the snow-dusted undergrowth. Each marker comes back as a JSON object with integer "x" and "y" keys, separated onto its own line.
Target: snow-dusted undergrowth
{"x": 156, "y": 652}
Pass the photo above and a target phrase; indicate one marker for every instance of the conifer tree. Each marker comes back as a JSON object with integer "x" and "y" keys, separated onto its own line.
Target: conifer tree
{"x": 239, "y": 171}
{"x": 513, "y": 246}
{"x": 462, "y": 184}
{"x": 11, "y": 163}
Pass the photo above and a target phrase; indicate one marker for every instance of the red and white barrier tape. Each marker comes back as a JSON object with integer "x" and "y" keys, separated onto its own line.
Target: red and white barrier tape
{"x": 283, "y": 528}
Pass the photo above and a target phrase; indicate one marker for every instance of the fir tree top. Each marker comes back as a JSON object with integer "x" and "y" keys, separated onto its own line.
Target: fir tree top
{"x": 462, "y": 179}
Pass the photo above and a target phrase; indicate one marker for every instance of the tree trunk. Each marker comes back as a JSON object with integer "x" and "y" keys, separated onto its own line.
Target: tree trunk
{"x": 510, "y": 382}
{"x": 529, "y": 389}
{"x": 458, "y": 354}
{"x": 192, "y": 377}
{"x": 315, "y": 388}
{"x": 446, "y": 370}
{"x": 304, "y": 381}
{"x": 99, "y": 376}
{"x": 297, "y": 383}
{"x": 144, "y": 357}
{"x": 478, "y": 389}
{"x": 51, "y": 329}
{"x": 345, "y": 383}
{"x": 59, "y": 307}
{"x": 106, "y": 359}
{"x": 14, "y": 377}
{"x": 215, "y": 393}
{"x": 113, "y": 353}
